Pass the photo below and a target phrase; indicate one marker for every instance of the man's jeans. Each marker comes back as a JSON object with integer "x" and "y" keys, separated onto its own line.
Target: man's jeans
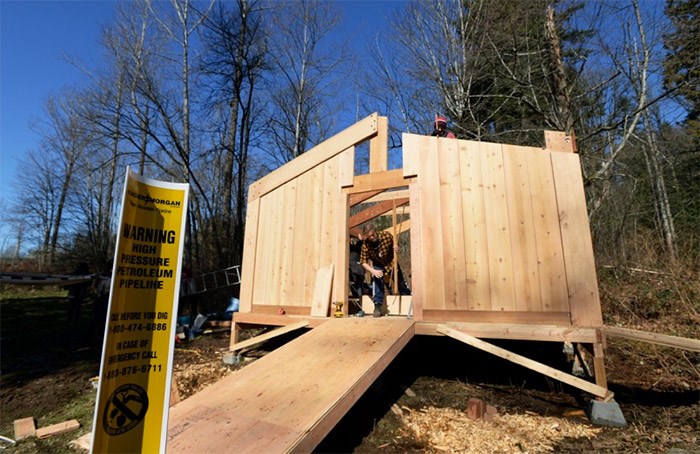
{"x": 378, "y": 287}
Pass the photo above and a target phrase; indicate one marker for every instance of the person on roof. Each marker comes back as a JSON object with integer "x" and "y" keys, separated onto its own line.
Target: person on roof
{"x": 441, "y": 128}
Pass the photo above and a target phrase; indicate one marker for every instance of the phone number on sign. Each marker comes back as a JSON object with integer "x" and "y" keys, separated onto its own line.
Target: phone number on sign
{"x": 128, "y": 370}
{"x": 135, "y": 327}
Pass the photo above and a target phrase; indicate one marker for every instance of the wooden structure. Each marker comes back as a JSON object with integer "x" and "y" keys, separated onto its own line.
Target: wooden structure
{"x": 500, "y": 248}
{"x": 499, "y": 234}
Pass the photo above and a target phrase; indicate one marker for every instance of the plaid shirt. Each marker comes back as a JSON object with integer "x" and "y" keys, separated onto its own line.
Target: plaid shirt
{"x": 380, "y": 253}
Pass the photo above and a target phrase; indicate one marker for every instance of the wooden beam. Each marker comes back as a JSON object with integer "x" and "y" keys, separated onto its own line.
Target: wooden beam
{"x": 494, "y": 316}
{"x": 589, "y": 387}
{"x": 382, "y": 180}
{"x": 267, "y": 336}
{"x": 653, "y": 338}
{"x": 551, "y": 333}
{"x": 379, "y": 147}
{"x": 356, "y": 199}
{"x": 355, "y": 134}
{"x": 389, "y": 195}
{"x": 374, "y": 211}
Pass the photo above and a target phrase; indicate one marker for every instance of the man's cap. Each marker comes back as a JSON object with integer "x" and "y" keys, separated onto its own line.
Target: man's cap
{"x": 439, "y": 119}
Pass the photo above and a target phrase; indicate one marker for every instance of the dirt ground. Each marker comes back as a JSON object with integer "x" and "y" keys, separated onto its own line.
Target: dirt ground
{"x": 417, "y": 405}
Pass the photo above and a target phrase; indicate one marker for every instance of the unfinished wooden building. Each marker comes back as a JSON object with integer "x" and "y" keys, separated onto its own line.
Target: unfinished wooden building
{"x": 500, "y": 248}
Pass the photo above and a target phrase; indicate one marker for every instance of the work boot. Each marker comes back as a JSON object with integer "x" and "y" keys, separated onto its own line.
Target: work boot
{"x": 377, "y": 311}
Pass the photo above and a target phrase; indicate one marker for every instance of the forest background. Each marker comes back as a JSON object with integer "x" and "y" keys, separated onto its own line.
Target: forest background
{"x": 217, "y": 94}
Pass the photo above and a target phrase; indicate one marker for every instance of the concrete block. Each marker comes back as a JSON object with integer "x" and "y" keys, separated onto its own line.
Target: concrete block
{"x": 606, "y": 414}
{"x": 476, "y": 408}
{"x": 231, "y": 358}
{"x": 490, "y": 412}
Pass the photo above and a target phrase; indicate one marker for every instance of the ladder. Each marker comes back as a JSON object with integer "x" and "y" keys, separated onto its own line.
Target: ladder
{"x": 213, "y": 280}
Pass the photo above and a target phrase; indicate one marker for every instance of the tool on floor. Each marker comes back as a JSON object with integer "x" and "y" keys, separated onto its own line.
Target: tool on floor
{"x": 338, "y": 309}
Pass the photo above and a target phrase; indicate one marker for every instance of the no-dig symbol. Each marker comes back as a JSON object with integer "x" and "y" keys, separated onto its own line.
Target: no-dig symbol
{"x": 125, "y": 408}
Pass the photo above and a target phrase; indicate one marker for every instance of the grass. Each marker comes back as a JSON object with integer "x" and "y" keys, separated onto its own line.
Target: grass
{"x": 46, "y": 366}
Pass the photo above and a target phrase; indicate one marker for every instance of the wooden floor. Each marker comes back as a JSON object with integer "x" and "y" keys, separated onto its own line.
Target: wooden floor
{"x": 292, "y": 397}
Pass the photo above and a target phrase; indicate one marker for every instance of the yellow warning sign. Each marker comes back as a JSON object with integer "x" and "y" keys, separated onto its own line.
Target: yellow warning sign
{"x": 131, "y": 412}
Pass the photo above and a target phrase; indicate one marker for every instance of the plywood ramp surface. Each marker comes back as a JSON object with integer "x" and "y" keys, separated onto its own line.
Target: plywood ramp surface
{"x": 292, "y": 397}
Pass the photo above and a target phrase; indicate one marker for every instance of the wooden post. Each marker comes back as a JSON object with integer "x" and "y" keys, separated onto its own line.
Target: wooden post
{"x": 396, "y": 243}
{"x": 599, "y": 361}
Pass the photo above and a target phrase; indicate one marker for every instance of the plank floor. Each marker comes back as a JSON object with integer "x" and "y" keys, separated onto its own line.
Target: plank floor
{"x": 292, "y": 397}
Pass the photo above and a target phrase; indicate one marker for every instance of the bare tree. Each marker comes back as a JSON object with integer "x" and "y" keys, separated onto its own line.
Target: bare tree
{"x": 65, "y": 139}
{"x": 306, "y": 61}
{"x": 234, "y": 41}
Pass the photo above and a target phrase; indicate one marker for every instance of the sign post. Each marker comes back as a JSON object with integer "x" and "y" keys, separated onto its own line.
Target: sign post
{"x": 131, "y": 411}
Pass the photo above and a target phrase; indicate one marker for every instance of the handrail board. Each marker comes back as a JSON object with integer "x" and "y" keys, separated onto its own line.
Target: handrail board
{"x": 268, "y": 335}
{"x": 653, "y": 338}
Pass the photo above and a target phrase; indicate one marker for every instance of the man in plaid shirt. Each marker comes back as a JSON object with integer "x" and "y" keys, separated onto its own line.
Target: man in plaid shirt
{"x": 377, "y": 257}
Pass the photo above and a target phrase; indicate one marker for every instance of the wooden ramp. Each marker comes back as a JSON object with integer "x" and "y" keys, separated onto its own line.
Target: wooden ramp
{"x": 290, "y": 399}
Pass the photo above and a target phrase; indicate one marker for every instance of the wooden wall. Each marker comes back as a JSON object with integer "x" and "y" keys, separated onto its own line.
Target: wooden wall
{"x": 499, "y": 233}
{"x": 296, "y": 225}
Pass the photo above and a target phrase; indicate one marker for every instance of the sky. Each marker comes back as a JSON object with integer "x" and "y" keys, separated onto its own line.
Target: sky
{"x": 35, "y": 37}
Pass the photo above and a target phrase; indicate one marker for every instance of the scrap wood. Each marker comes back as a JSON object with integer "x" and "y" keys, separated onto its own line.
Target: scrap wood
{"x": 84, "y": 442}
{"x": 58, "y": 429}
{"x": 24, "y": 428}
